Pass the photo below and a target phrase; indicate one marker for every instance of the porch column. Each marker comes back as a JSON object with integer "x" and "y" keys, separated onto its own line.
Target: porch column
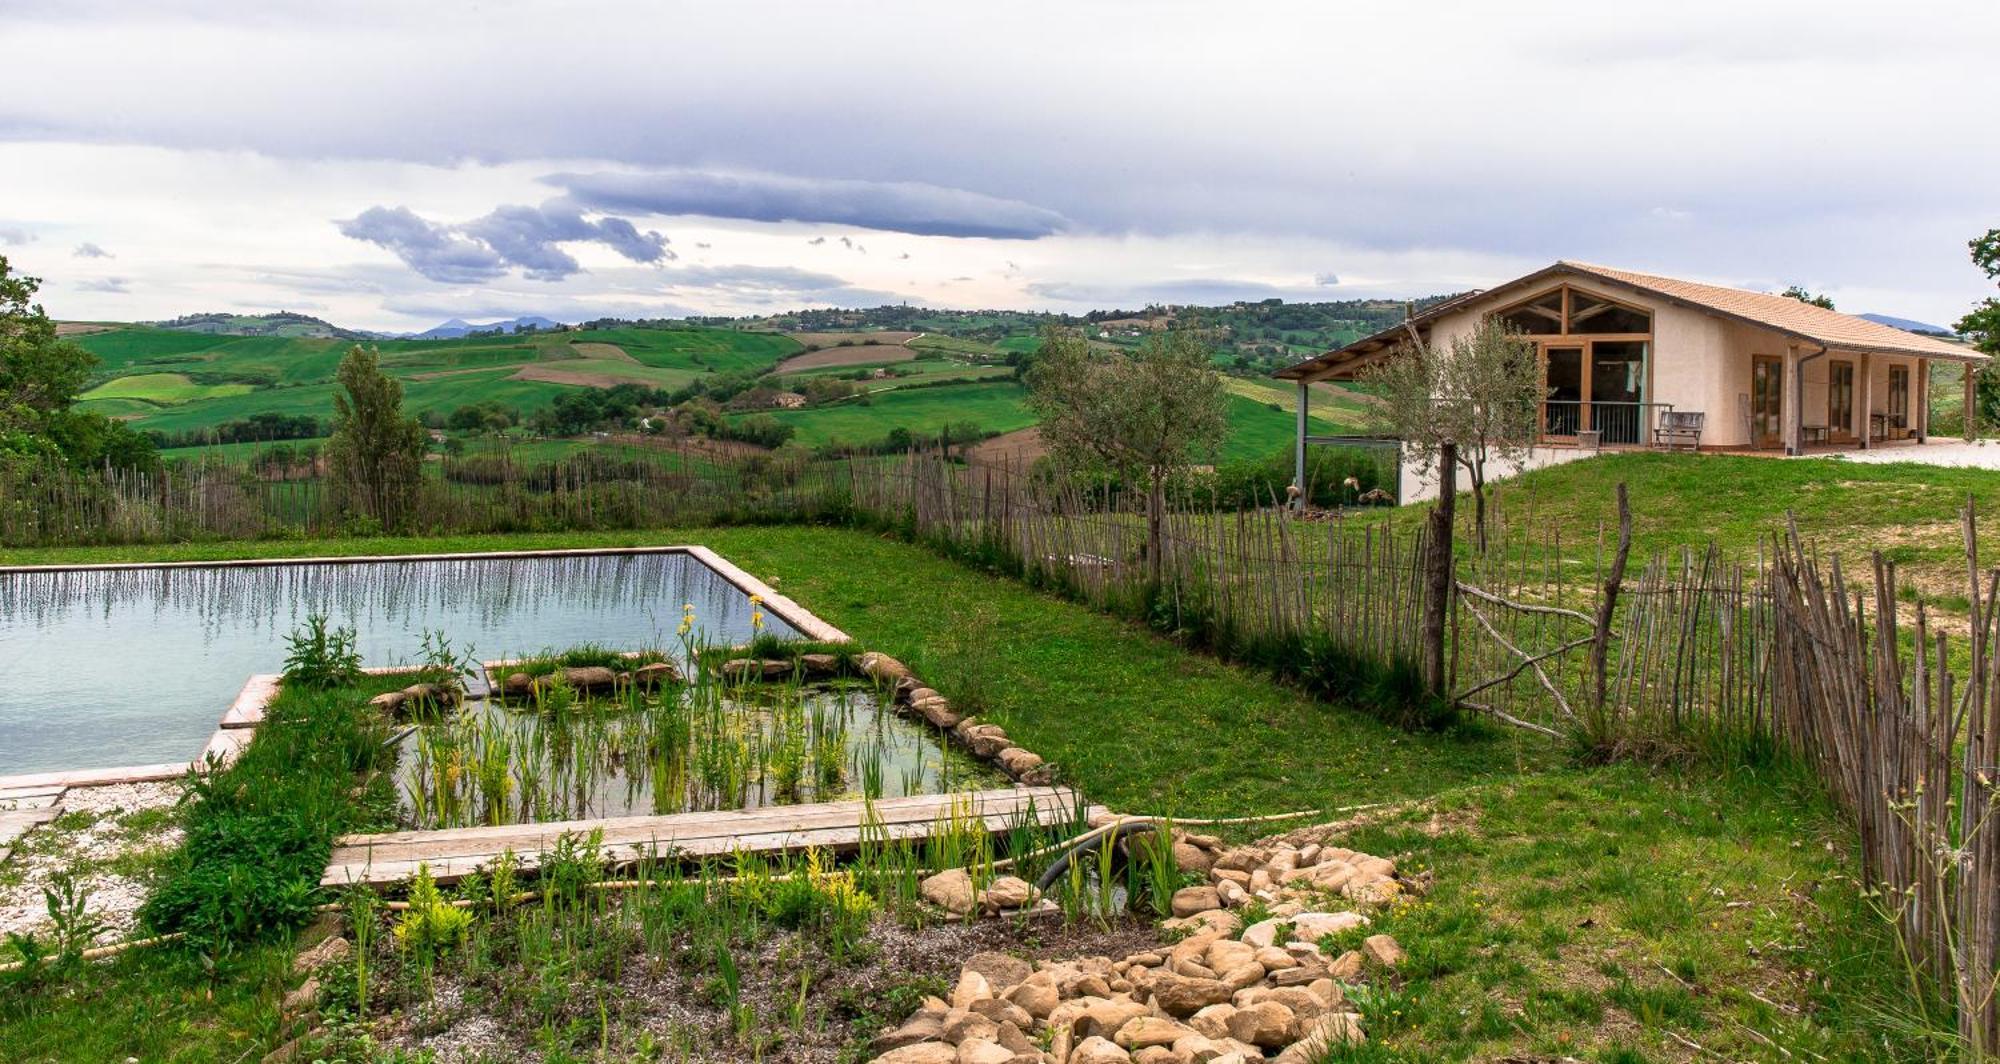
{"x": 1971, "y": 379}
{"x": 1923, "y": 400}
{"x": 1867, "y": 411}
{"x": 1299, "y": 448}
{"x": 1792, "y": 394}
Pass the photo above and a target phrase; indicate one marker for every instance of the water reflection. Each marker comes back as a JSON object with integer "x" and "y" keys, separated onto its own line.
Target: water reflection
{"x": 132, "y": 666}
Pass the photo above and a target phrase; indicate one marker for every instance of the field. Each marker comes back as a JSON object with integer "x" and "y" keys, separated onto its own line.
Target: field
{"x": 179, "y": 382}
{"x": 861, "y": 355}
{"x": 995, "y": 407}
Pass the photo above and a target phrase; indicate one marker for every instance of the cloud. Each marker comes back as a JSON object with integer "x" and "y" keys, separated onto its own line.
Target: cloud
{"x": 431, "y": 249}
{"x": 511, "y": 236}
{"x": 13, "y": 235}
{"x": 1326, "y": 280}
{"x": 1203, "y": 290}
{"x": 115, "y": 286}
{"x": 88, "y": 250}
{"x": 896, "y": 206}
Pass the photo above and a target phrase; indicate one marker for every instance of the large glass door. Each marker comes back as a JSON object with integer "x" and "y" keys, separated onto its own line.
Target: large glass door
{"x": 1617, "y": 384}
{"x": 1840, "y": 400}
{"x": 1562, "y": 411}
{"x": 1767, "y": 400}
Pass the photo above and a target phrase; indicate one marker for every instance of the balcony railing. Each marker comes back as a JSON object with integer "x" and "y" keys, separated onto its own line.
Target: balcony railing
{"x": 1614, "y": 423}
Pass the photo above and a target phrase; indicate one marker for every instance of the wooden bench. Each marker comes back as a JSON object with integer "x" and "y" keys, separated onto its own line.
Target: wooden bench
{"x": 1677, "y": 427}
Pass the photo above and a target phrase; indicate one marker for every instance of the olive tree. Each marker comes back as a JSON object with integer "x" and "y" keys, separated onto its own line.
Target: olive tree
{"x": 376, "y": 454}
{"x": 1468, "y": 406}
{"x": 1140, "y": 414}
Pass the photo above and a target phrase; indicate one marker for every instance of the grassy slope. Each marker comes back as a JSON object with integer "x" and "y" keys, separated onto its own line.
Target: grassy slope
{"x": 1565, "y": 896}
{"x": 995, "y": 407}
{"x": 294, "y": 375}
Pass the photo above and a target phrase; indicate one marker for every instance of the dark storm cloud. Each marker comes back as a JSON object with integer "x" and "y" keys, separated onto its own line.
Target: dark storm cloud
{"x": 511, "y": 236}
{"x": 896, "y": 206}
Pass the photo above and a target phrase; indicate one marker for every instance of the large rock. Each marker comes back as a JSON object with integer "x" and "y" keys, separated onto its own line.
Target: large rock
{"x": 1142, "y": 1031}
{"x": 1320, "y": 1036}
{"x": 1095, "y": 1050}
{"x": 1311, "y": 927}
{"x": 938, "y": 712}
{"x": 590, "y": 678}
{"x": 1007, "y": 893}
{"x": 518, "y": 685}
{"x": 1022, "y": 764}
{"x": 882, "y": 668}
{"x": 950, "y": 890}
{"x": 327, "y": 952}
{"x": 1266, "y": 1024}
{"x": 1180, "y": 995}
{"x": 1382, "y": 950}
{"x": 1193, "y": 859}
{"x": 1002, "y": 972}
{"x": 983, "y": 1051}
{"x": 972, "y": 987}
{"x": 1188, "y": 901}
{"x": 922, "y": 1053}
{"x": 926, "y": 1026}
{"x": 654, "y": 674}
{"x": 820, "y": 666}
{"x": 1037, "y": 998}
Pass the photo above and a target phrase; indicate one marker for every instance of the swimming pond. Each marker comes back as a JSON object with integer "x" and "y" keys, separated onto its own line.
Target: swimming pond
{"x": 133, "y": 665}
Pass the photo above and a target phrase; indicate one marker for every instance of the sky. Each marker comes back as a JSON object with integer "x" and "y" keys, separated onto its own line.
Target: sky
{"x": 392, "y": 165}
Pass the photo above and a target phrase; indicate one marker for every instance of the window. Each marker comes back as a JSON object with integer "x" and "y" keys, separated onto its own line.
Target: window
{"x": 1591, "y": 314}
{"x": 1541, "y": 316}
{"x": 1585, "y": 314}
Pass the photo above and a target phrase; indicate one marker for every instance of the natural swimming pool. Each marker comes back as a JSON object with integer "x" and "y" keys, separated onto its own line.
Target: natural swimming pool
{"x": 118, "y": 666}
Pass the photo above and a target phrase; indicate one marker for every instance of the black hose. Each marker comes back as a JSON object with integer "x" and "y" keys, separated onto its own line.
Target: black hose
{"x": 1061, "y": 864}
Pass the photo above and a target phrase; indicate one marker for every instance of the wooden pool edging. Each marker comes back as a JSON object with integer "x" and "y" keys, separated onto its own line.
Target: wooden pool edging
{"x": 800, "y": 618}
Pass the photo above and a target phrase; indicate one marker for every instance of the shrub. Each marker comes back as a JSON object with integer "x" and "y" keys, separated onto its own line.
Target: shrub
{"x": 320, "y": 657}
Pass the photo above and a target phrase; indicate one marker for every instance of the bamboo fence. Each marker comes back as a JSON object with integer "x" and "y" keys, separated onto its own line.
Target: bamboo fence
{"x": 1682, "y": 653}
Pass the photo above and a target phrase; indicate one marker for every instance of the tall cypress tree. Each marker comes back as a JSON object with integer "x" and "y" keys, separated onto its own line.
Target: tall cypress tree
{"x": 376, "y": 455}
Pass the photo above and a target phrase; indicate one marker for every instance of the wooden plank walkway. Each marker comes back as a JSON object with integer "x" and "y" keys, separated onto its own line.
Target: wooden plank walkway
{"x": 453, "y": 853}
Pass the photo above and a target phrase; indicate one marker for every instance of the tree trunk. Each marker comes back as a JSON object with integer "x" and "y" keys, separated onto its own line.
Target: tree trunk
{"x": 1601, "y": 638}
{"x": 1155, "y": 502}
{"x": 1438, "y": 565}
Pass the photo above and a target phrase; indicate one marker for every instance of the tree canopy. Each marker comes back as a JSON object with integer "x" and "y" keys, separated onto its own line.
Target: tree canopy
{"x": 41, "y": 375}
{"x": 376, "y": 453}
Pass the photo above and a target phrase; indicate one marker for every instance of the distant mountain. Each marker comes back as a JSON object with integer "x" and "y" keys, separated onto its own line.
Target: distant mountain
{"x": 1907, "y": 325}
{"x": 458, "y": 327}
{"x": 283, "y": 323}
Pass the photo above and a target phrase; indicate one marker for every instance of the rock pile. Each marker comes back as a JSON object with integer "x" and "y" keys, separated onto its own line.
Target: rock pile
{"x": 1223, "y": 993}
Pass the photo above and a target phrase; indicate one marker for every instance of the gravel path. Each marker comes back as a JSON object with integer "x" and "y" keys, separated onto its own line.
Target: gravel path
{"x": 111, "y": 838}
{"x": 1984, "y": 454}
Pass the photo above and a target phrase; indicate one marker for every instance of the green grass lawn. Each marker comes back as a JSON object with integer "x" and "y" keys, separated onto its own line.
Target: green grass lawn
{"x": 164, "y": 389}
{"x": 999, "y": 406}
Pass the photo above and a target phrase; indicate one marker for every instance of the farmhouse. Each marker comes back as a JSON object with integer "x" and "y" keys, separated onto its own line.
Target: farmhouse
{"x": 1632, "y": 359}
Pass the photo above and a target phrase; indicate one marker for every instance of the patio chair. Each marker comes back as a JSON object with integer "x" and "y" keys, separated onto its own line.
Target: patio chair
{"x": 1677, "y": 427}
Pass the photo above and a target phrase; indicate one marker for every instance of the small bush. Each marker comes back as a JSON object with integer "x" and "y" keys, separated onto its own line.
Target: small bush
{"x": 320, "y": 657}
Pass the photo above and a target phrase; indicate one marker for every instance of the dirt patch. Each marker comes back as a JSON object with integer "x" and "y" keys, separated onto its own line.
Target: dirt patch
{"x": 888, "y": 337}
{"x": 81, "y": 328}
{"x": 110, "y": 839}
{"x": 568, "y": 373}
{"x": 440, "y": 374}
{"x": 597, "y": 350}
{"x": 1018, "y": 449}
{"x": 701, "y": 446}
{"x": 864, "y": 355}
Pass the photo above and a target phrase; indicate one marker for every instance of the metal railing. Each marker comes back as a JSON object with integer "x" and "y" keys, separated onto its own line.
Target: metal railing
{"x": 1614, "y": 423}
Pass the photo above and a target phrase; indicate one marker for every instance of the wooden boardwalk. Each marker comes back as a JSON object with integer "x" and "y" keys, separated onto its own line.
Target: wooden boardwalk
{"x": 451, "y": 854}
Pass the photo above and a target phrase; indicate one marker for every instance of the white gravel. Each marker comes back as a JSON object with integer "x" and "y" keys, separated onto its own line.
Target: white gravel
{"x": 49, "y": 849}
{"x": 1980, "y": 454}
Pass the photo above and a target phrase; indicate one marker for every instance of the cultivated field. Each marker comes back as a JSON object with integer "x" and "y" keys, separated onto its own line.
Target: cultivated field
{"x": 862, "y": 355}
